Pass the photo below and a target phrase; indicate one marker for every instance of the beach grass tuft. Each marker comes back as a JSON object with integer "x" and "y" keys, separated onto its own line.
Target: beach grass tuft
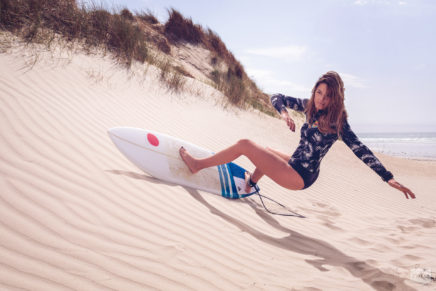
{"x": 129, "y": 36}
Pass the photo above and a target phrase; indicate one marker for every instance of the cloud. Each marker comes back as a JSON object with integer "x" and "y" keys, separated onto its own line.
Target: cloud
{"x": 259, "y": 74}
{"x": 360, "y": 2}
{"x": 287, "y": 53}
{"x": 352, "y": 81}
{"x": 267, "y": 81}
{"x": 287, "y": 87}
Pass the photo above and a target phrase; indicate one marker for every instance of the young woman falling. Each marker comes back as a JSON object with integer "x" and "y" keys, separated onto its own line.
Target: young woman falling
{"x": 326, "y": 121}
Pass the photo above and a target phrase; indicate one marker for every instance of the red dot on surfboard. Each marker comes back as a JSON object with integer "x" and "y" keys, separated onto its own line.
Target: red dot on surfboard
{"x": 152, "y": 139}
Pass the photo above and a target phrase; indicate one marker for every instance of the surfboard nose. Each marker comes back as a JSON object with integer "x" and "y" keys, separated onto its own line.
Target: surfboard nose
{"x": 123, "y": 132}
{"x": 113, "y": 131}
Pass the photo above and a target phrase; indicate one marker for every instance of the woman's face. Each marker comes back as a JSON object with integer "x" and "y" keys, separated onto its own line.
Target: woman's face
{"x": 321, "y": 98}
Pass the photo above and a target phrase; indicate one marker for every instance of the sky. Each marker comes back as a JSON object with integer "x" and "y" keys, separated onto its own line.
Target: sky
{"x": 384, "y": 50}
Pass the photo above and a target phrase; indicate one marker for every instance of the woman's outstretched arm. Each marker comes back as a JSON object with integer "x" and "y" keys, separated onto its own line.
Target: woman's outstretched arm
{"x": 366, "y": 155}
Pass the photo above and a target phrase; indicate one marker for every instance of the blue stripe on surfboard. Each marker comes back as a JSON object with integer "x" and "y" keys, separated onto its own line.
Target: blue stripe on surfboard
{"x": 237, "y": 171}
{"x": 223, "y": 168}
{"x": 229, "y": 172}
{"x": 232, "y": 181}
{"x": 221, "y": 180}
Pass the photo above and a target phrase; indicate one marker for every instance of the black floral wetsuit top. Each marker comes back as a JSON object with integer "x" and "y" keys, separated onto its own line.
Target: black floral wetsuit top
{"x": 314, "y": 144}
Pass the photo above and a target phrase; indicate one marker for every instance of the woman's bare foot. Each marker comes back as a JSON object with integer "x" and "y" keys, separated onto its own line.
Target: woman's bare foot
{"x": 247, "y": 182}
{"x": 188, "y": 159}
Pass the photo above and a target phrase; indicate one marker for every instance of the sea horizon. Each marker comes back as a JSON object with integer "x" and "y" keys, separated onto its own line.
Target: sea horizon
{"x": 412, "y": 145}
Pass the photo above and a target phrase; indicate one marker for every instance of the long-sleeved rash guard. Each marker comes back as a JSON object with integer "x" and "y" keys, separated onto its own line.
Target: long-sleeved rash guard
{"x": 314, "y": 144}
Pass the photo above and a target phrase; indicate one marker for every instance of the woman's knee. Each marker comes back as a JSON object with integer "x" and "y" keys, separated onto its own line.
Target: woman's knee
{"x": 245, "y": 143}
{"x": 247, "y": 147}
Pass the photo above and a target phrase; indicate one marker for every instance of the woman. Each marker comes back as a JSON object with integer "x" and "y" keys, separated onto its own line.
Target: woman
{"x": 326, "y": 121}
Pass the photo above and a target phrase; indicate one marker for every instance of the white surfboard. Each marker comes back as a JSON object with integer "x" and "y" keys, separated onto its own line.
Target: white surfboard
{"x": 157, "y": 154}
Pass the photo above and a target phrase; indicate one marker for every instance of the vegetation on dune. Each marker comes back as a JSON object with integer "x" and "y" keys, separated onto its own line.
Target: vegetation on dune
{"x": 232, "y": 81}
{"x": 129, "y": 37}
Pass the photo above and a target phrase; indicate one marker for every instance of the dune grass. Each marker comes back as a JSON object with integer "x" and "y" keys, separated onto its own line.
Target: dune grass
{"x": 128, "y": 37}
{"x": 233, "y": 81}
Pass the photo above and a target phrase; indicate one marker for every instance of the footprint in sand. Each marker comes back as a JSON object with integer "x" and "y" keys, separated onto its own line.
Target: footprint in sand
{"x": 325, "y": 213}
{"x": 423, "y": 222}
{"x": 416, "y": 224}
{"x": 323, "y": 209}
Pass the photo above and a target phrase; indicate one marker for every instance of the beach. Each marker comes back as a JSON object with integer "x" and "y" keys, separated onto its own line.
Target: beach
{"x": 76, "y": 214}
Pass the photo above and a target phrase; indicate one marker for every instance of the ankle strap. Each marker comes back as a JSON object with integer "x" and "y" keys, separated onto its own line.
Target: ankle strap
{"x": 252, "y": 184}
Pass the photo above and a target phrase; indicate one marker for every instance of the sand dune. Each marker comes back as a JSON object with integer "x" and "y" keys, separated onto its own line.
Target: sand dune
{"x": 75, "y": 214}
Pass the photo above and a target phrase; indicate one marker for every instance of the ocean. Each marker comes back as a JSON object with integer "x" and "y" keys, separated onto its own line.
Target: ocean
{"x": 413, "y": 145}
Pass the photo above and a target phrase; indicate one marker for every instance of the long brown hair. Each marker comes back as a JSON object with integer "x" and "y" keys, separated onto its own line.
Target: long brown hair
{"x": 335, "y": 115}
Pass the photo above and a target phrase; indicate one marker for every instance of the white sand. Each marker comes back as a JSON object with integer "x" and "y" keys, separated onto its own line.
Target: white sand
{"x": 75, "y": 214}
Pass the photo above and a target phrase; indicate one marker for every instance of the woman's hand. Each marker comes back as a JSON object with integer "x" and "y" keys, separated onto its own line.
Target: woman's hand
{"x": 289, "y": 122}
{"x": 400, "y": 187}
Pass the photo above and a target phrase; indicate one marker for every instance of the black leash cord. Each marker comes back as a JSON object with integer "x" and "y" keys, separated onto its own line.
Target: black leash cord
{"x": 274, "y": 213}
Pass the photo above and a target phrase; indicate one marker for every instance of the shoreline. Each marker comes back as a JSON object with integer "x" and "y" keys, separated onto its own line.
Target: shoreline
{"x": 406, "y": 157}
{"x": 409, "y": 145}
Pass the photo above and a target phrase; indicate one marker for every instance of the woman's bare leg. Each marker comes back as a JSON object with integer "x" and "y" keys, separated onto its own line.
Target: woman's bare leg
{"x": 258, "y": 174}
{"x": 265, "y": 161}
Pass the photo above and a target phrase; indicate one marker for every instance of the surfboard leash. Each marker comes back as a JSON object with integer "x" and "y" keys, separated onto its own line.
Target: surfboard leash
{"x": 292, "y": 213}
